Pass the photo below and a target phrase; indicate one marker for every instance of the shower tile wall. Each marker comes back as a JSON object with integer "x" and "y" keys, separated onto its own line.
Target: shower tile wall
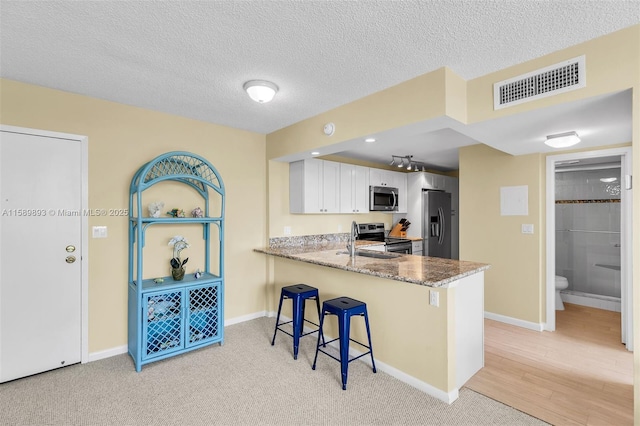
{"x": 585, "y": 203}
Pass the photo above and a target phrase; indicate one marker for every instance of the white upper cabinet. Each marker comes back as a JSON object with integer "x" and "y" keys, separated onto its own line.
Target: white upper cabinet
{"x": 354, "y": 189}
{"x": 433, "y": 181}
{"x": 314, "y": 186}
{"x": 320, "y": 186}
{"x": 380, "y": 177}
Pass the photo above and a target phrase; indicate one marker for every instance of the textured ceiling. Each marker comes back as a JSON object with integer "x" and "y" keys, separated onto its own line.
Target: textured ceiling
{"x": 191, "y": 58}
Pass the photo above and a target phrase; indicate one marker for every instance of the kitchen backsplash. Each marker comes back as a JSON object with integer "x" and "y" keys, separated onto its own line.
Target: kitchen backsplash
{"x": 305, "y": 240}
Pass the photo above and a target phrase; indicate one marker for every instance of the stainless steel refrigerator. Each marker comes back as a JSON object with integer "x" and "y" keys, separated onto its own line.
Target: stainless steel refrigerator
{"x": 436, "y": 224}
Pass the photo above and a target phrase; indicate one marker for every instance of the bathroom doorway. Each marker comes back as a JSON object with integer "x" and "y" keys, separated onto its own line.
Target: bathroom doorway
{"x": 589, "y": 232}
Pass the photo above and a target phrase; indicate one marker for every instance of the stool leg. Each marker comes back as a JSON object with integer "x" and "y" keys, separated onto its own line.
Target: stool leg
{"x": 277, "y": 321}
{"x": 344, "y": 327}
{"x": 320, "y": 332}
{"x": 297, "y": 324}
{"x": 366, "y": 321}
{"x": 303, "y": 303}
{"x": 313, "y": 367}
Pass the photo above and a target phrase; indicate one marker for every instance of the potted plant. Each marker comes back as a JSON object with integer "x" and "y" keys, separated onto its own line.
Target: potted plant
{"x": 179, "y": 243}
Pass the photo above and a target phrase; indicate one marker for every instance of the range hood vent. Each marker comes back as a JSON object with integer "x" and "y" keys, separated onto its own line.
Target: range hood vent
{"x": 559, "y": 78}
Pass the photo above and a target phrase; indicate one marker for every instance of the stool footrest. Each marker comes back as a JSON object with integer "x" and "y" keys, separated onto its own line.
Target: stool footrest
{"x": 339, "y": 360}
{"x": 303, "y": 334}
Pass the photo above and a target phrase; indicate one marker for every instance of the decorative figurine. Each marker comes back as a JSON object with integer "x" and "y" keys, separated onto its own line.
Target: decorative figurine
{"x": 197, "y": 212}
{"x": 198, "y": 273}
{"x": 176, "y": 213}
{"x": 155, "y": 207}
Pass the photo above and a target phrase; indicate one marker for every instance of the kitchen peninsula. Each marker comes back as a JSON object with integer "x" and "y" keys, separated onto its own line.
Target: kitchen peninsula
{"x": 426, "y": 313}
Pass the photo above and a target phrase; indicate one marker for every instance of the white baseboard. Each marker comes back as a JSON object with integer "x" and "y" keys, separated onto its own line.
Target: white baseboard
{"x": 393, "y": 372}
{"x": 243, "y": 318}
{"x": 107, "y": 353}
{"x": 514, "y": 321}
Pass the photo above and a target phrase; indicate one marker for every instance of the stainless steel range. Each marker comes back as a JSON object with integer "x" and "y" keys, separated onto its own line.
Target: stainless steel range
{"x": 375, "y": 232}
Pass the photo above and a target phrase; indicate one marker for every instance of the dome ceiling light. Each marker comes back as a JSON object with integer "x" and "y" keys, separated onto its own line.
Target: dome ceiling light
{"x": 261, "y": 91}
{"x": 562, "y": 140}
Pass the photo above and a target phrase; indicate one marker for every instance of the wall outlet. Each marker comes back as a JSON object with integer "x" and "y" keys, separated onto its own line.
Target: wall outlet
{"x": 340, "y": 228}
{"x": 287, "y": 230}
{"x": 434, "y": 298}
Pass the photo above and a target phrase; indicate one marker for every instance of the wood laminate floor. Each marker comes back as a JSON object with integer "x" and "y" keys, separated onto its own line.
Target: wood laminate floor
{"x": 579, "y": 374}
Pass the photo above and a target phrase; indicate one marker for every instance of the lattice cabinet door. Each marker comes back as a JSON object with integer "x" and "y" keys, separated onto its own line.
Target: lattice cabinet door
{"x": 203, "y": 314}
{"x": 163, "y": 323}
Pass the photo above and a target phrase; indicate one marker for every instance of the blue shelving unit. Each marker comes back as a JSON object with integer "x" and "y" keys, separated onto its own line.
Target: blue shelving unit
{"x": 173, "y": 317}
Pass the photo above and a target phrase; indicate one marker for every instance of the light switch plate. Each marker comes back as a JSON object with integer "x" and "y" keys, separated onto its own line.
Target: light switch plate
{"x": 287, "y": 230}
{"x": 99, "y": 232}
{"x": 527, "y": 228}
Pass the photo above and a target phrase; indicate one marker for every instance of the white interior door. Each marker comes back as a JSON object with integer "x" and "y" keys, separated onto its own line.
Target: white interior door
{"x": 40, "y": 235}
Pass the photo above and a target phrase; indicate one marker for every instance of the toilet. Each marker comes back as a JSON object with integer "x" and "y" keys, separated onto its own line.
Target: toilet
{"x": 561, "y": 284}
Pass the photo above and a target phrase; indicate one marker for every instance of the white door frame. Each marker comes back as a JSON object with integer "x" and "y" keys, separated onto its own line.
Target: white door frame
{"x": 625, "y": 237}
{"x": 84, "y": 253}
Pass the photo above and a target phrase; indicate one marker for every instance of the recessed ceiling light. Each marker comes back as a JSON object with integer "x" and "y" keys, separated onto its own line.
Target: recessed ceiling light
{"x": 369, "y": 140}
{"x": 608, "y": 180}
{"x": 315, "y": 153}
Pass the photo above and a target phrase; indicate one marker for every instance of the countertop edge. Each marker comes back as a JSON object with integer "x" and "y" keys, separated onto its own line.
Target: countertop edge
{"x": 441, "y": 283}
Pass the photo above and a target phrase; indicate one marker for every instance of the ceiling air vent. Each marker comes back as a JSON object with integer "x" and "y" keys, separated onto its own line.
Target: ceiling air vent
{"x": 559, "y": 78}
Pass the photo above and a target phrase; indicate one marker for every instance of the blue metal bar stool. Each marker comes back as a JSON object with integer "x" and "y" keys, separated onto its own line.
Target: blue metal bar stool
{"x": 298, "y": 293}
{"x": 344, "y": 308}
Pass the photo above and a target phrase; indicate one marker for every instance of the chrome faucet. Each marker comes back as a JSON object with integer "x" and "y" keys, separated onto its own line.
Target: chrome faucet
{"x": 351, "y": 247}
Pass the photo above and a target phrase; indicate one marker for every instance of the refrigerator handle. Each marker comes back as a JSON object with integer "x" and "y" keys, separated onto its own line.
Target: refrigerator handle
{"x": 442, "y": 225}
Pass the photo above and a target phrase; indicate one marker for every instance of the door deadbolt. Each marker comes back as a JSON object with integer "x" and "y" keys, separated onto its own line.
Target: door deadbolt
{"x": 70, "y": 259}
{"x": 70, "y": 249}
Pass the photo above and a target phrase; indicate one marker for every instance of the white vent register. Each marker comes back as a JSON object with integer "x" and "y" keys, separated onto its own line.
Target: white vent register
{"x": 552, "y": 80}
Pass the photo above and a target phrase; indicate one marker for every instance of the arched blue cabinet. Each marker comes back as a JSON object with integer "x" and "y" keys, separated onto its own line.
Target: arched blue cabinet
{"x": 168, "y": 317}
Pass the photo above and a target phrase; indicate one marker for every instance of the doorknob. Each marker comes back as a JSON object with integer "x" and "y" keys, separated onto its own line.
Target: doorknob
{"x": 70, "y": 248}
{"x": 70, "y": 259}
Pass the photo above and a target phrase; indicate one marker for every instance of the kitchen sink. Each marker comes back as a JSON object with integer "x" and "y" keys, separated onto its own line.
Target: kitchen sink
{"x": 374, "y": 254}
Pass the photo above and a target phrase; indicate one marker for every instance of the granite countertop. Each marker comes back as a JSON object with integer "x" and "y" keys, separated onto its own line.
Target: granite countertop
{"x": 427, "y": 271}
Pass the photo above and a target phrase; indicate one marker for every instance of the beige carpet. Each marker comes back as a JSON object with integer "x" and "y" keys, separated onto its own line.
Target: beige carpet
{"x": 245, "y": 382}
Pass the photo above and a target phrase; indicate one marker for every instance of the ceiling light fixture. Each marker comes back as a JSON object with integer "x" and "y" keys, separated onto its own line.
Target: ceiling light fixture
{"x": 315, "y": 153}
{"x": 408, "y": 162}
{"x": 562, "y": 140}
{"x": 369, "y": 140}
{"x": 608, "y": 180}
{"x": 261, "y": 91}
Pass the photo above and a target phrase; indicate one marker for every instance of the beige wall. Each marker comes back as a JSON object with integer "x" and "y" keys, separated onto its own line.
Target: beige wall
{"x": 121, "y": 139}
{"x": 512, "y": 285}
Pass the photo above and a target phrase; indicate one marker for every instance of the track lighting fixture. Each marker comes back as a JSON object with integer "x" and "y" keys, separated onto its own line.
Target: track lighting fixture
{"x": 408, "y": 162}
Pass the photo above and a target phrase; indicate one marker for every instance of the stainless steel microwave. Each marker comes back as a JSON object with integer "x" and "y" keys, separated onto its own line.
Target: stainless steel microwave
{"x": 383, "y": 198}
